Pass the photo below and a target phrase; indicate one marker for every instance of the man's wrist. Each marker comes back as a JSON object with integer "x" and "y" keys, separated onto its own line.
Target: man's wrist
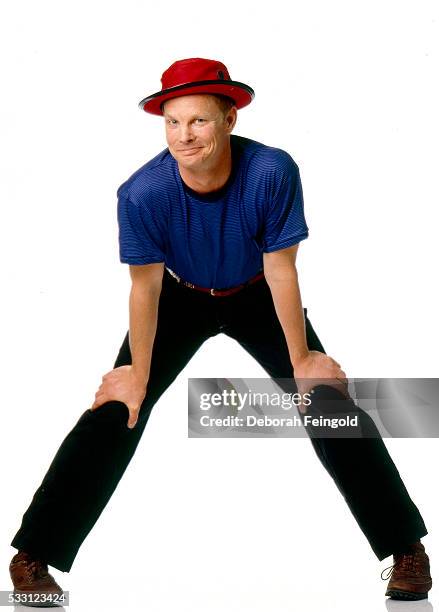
{"x": 140, "y": 373}
{"x": 299, "y": 356}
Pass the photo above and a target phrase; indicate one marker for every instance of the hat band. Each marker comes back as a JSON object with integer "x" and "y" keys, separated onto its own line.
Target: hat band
{"x": 163, "y": 92}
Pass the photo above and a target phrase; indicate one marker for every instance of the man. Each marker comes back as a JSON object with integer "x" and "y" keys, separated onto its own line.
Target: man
{"x": 210, "y": 228}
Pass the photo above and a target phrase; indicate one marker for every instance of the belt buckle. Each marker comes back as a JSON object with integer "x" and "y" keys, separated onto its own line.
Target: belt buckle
{"x": 212, "y": 292}
{"x": 172, "y": 273}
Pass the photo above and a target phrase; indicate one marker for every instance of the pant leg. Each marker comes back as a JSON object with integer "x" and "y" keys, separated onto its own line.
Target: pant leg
{"x": 362, "y": 468}
{"x": 94, "y": 455}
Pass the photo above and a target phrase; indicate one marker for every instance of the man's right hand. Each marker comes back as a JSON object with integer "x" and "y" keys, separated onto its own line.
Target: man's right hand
{"x": 122, "y": 384}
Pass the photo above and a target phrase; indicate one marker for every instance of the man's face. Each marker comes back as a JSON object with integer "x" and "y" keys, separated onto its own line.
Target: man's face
{"x": 197, "y": 132}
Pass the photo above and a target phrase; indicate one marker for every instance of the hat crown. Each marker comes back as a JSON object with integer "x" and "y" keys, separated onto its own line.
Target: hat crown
{"x": 193, "y": 69}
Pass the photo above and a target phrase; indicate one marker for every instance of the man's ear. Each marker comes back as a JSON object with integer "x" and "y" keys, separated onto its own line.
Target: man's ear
{"x": 231, "y": 118}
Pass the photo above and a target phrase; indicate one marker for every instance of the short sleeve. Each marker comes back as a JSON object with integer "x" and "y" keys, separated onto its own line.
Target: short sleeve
{"x": 140, "y": 238}
{"x": 285, "y": 222}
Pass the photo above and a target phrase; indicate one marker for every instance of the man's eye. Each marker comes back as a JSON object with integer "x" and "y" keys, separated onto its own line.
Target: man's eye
{"x": 172, "y": 121}
{"x": 200, "y": 119}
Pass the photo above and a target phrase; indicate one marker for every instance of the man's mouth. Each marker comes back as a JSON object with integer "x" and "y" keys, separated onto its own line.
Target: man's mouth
{"x": 190, "y": 151}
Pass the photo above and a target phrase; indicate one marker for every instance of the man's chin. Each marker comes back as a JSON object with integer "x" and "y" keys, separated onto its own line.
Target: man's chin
{"x": 195, "y": 161}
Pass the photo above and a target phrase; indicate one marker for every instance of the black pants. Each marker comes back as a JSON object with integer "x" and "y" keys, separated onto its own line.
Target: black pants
{"x": 96, "y": 452}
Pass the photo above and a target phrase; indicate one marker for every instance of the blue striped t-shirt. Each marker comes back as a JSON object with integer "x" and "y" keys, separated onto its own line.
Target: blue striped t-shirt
{"x": 214, "y": 239}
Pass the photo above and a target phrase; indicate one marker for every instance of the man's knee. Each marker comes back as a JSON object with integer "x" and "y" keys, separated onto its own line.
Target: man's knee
{"x": 111, "y": 414}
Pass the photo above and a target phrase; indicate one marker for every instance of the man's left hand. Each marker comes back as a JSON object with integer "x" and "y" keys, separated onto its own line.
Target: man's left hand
{"x": 317, "y": 368}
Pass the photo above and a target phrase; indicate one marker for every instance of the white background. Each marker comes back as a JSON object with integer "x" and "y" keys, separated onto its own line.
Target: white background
{"x": 349, "y": 89}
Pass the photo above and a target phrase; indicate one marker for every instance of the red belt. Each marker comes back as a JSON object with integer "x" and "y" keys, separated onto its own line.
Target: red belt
{"x": 217, "y": 292}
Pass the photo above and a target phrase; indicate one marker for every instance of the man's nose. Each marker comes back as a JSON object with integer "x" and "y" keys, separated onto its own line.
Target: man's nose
{"x": 185, "y": 133}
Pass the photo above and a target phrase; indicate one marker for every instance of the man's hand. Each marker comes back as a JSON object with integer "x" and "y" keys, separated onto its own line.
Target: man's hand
{"x": 320, "y": 369}
{"x": 124, "y": 385}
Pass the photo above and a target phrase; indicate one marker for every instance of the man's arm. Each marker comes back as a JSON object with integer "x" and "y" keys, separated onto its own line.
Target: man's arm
{"x": 310, "y": 367}
{"x": 282, "y": 278}
{"x": 143, "y": 306}
{"x": 128, "y": 383}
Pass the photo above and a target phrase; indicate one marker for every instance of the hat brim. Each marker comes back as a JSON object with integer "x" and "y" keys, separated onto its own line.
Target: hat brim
{"x": 240, "y": 93}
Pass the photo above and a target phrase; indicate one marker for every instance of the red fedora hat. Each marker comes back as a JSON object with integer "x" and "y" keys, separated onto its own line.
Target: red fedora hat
{"x": 195, "y": 76}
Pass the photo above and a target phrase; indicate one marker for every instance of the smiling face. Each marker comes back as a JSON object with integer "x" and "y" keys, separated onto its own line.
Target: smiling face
{"x": 198, "y": 131}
